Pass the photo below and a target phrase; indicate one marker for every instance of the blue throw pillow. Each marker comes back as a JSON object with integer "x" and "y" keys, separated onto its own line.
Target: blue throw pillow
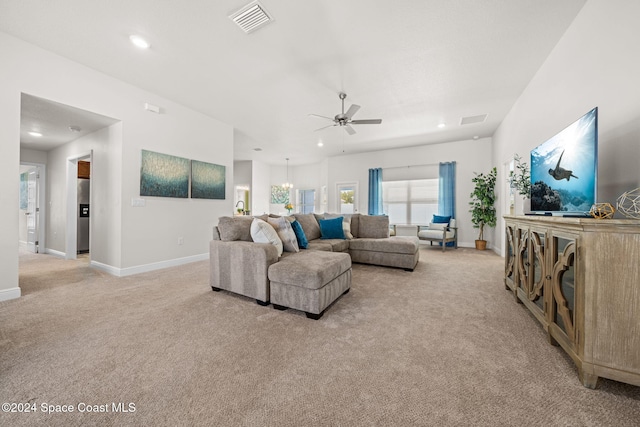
{"x": 437, "y": 219}
{"x": 331, "y": 228}
{"x": 302, "y": 238}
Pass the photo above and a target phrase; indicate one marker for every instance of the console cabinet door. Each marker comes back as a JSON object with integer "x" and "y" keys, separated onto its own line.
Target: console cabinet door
{"x": 538, "y": 268}
{"x": 510, "y": 258}
{"x": 563, "y": 287}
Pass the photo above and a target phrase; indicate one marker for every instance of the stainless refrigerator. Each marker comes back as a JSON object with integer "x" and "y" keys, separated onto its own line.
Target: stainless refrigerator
{"x": 84, "y": 197}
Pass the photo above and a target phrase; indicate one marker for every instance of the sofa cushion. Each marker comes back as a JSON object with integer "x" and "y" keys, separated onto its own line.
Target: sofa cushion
{"x": 235, "y": 228}
{"x": 438, "y": 226}
{"x": 285, "y": 233}
{"x": 263, "y": 232}
{"x": 397, "y": 245}
{"x": 346, "y": 223}
{"x": 302, "y": 238}
{"x": 311, "y": 270}
{"x": 309, "y": 225}
{"x": 337, "y": 245}
{"x": 355, "y": 222}
{"x": 321, "y": 245}
{"x": 373, "y": 226}
{"x": 331, "y": 228}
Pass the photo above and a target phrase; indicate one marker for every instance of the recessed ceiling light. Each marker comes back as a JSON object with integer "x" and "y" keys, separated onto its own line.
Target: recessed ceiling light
{"x": 34, "y": 133}
{"x": 475, "y": 137}
{"x": 441, "y": 125}
{"x": 139, "y": 41}
{"x": 257, "y": 149}
{"x": 320, "y": 144}
{"x": 74, "y": 128}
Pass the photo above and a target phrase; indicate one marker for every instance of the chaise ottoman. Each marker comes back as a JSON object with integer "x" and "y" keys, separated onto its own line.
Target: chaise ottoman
{"x": 309, "y": 281}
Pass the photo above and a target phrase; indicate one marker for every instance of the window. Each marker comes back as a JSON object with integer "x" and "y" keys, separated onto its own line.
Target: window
{"x": 410, "y": 201}
{"x": 307, "y": 201}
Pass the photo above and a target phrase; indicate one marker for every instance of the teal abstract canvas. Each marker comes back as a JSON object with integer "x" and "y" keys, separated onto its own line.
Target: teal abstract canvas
{"x": 208, "y": 180}
{"x": 162, "y": 175}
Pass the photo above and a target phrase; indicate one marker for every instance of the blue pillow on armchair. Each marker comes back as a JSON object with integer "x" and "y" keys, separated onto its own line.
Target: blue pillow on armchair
{"x": 438, "y": 219}
{"x": 331, "y": 228}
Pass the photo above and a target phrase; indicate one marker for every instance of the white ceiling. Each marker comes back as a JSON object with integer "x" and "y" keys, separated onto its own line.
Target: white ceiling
{"x": 412, "y": 63}
{"x": 55, "y": 122}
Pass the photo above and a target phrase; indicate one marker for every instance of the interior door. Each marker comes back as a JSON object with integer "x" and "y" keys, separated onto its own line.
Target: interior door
{"x": 32, "y": 213}
{"x": 347, "y": 197}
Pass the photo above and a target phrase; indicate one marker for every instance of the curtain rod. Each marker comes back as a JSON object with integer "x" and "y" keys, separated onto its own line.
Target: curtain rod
{"x": 415, "y": 166}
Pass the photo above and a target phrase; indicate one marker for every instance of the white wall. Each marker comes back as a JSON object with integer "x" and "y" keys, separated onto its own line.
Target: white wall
{"x": 148, "y": 236}
{"x": 105, "y": 238}
{"x": 260, "y": 187}
{"x": 470, "y": 156}
{"x": 594, "y": 64}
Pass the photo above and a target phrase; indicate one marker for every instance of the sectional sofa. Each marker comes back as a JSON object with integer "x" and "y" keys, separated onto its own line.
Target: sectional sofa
{"x": 312, "y": 278}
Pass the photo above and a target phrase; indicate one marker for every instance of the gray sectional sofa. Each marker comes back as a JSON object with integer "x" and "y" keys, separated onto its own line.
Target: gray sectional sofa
{"x": 308, "y": 280}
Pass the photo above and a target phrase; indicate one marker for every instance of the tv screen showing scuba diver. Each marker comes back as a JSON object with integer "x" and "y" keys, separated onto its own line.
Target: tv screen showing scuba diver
{"x": 564, "y": 169}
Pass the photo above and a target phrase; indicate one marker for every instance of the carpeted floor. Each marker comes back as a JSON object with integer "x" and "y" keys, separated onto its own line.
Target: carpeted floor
{"x": 443, "y": 345}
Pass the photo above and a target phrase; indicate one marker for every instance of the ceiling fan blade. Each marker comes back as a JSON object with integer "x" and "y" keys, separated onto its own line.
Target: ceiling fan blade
{"x": 320, "y": 117}
{"x": 349, "y": 129}
{"x": 352, "y": 110}
{"x": 366, "y": 122}
{"x": 324, "y": 127}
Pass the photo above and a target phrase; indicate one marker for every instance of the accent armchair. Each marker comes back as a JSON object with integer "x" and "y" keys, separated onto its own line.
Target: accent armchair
{"x": 443, "y": 233}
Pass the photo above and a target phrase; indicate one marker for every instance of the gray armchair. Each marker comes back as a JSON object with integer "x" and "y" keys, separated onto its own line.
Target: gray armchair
{"x": 443, "y": 233}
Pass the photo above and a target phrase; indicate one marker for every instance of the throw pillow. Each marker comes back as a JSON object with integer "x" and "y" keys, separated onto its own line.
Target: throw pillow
{"x": 346, "y": 223}
{"x": 438, "y": 219}
{"x": 286, "y": 234}
{"x": 303, "y": 243}
{"x": 331, "y": 228}
{"x": 309, "y": 225}
{"x": 262, "y": 232}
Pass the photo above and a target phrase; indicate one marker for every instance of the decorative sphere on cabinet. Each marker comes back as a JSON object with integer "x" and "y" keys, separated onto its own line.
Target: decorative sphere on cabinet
{"x": 602, "y": 211}
{"x": 629, "y": 203}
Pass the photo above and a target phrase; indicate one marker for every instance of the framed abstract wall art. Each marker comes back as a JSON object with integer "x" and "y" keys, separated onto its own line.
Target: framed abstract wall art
{"x": 208, "y": 180}
{"x": 279, "y": 195}
{"x": 163, "y": 175}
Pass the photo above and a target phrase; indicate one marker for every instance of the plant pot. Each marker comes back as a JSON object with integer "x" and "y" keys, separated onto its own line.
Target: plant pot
{"x": 481, "y": 245}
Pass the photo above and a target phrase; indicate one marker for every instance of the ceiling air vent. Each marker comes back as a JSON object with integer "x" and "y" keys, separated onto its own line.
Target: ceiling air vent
{"x": 473, "y": 119}
{"x": 251, "y": 17}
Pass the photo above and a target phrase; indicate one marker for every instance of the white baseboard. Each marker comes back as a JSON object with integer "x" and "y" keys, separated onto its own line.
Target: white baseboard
{"x": 129, "y": 271}
{"x": 11, "y": 293}
{"x": 55, "y": 253}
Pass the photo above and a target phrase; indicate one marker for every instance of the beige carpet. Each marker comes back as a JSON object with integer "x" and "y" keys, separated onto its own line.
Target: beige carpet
{"x": 443, "y": 345}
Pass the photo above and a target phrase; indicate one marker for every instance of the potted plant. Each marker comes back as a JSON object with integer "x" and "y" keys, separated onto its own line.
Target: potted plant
{"x": 288, "y": 207}
{"x": 483, "y": 198}
{"x": 520, "y": 179}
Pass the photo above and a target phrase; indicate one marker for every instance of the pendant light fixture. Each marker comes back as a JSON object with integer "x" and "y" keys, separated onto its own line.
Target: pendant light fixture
{"x": 287, "y": 185}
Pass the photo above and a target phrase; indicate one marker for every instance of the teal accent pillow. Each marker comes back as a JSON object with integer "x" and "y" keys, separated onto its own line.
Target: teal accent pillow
{"x": 437, "y": 219}
{"x": 303, "y": 243}
{"x": 331, "y": 228}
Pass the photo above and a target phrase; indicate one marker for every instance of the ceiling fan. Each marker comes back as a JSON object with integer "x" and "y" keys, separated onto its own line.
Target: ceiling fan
{"x": 345, "y": 119}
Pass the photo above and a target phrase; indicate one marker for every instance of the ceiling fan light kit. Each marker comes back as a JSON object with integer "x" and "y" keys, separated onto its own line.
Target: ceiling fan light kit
{"x": 345, "y": 120}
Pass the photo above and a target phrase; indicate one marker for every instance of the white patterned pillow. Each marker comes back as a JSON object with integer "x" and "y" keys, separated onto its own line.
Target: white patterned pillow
{"x": 286, "y": 233}
{"x": 262, "y": 232}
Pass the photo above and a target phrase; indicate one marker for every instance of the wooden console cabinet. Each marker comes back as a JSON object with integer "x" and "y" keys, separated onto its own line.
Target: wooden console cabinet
{"x": 580, "y": 278}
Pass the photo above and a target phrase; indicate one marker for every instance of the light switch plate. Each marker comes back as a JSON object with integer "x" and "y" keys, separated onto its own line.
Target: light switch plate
{"x": 137, "y": 202}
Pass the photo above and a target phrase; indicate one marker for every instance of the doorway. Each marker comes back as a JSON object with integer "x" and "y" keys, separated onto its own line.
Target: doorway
{"x": 347, "y": 193}
{"x": 78, "y": 234}
{"x": 31, "y": 207}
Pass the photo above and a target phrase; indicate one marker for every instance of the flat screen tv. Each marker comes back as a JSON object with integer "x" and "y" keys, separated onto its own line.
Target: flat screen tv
{"x": 564, "y": 169}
